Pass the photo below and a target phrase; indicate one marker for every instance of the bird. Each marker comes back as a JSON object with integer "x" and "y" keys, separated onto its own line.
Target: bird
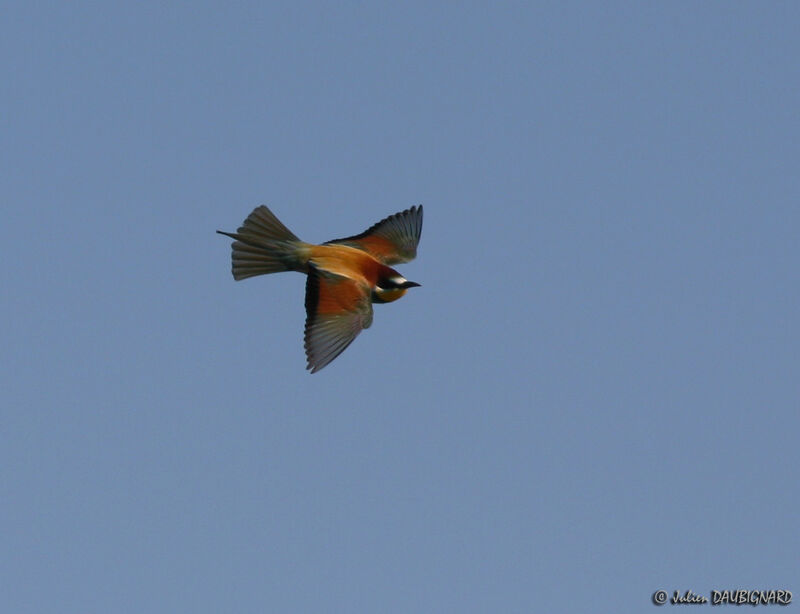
{"x": 344, "y": 276}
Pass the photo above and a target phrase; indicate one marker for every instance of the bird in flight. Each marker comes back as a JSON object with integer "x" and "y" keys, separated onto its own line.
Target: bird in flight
{"x": 345, "y": 276}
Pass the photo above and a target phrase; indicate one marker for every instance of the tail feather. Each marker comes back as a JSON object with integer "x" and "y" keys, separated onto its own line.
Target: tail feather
{"x": 262, "y": 244}
{"x": 263, "y": 224}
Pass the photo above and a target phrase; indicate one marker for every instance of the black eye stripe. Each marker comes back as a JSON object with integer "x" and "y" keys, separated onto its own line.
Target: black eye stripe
{"x": 387, "y": 284}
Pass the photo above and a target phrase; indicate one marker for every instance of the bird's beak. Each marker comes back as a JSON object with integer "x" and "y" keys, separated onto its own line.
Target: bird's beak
{"x": 410, "y": 284}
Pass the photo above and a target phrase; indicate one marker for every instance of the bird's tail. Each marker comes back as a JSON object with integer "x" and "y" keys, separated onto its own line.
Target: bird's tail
{"x": 264, "y": 245}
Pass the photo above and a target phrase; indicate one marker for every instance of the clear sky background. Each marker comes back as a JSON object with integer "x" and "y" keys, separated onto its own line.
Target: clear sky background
{"x": 594, "y": 394}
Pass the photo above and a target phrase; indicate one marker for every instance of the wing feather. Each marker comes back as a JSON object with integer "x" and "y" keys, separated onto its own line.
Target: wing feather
{"x": 393, "y": 240}
{"x": 337, "y": 310}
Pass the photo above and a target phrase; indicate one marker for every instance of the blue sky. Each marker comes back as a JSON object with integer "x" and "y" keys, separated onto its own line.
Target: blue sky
{"x": 593, "y": 395}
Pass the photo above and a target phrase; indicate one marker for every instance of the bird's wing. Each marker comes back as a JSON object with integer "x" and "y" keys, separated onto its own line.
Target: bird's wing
{"x": 392, "y": 240}
{"x": 337, "y": 309}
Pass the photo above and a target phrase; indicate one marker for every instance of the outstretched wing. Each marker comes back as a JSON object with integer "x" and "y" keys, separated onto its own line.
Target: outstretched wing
{"x": 337, "y": 309}
{"x": 392, "y": 240}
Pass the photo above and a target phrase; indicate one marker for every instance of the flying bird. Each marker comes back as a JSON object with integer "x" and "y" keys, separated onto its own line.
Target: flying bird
{"x": 345, "y": 276}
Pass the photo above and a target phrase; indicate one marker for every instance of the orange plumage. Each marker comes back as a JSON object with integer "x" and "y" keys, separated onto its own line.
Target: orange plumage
{"x": 345, "y": 276}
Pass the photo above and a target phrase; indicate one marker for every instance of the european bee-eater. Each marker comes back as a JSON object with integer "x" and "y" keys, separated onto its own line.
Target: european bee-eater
{"x": 345, "y": 276}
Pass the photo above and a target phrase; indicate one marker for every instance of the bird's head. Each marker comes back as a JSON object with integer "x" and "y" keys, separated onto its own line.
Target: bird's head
{"x": 391, "y": 287}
